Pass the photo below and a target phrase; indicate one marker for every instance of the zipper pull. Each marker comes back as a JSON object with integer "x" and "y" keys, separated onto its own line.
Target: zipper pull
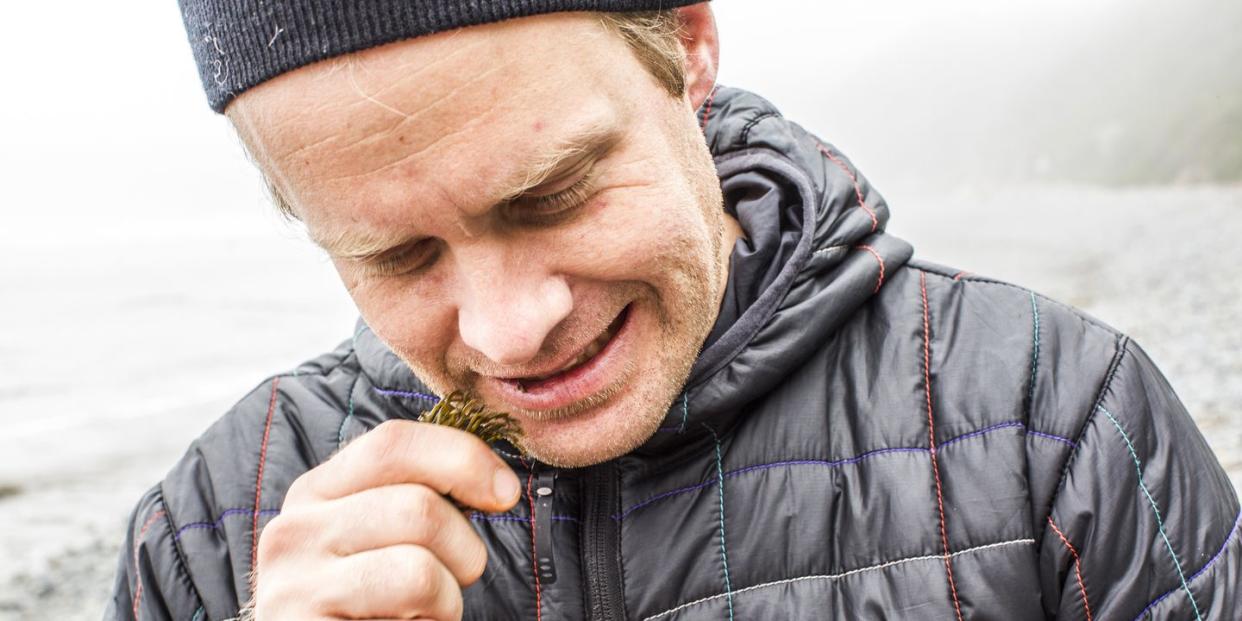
{"x": 541, "y": 518}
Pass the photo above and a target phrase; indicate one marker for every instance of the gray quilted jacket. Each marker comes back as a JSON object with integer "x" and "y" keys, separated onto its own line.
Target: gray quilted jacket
{"x": 871, "y": 437}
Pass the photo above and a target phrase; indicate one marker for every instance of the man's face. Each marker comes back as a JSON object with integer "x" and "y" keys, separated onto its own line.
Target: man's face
{"x": 519, "y": 210}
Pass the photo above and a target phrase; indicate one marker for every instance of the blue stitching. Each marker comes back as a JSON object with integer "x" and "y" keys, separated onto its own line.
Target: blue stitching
{"x": 1138, "y": 468}
{"x": 724, "y": 554}
{"x": 1048, "y": 436}
{"x": 1030, "y": 395}
{"x": 833, "y": 463}
{"x": 481, "y": 517}
{"x": 219, "y": 522}
{"x": 1013, "y": 423}
{"x": 198, "y": 614}
{"x": 388, "y": 392}
{"x": 1223, "y": 546}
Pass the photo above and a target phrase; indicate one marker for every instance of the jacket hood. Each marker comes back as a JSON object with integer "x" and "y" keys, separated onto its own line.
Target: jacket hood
{"x": 783, "y": 184}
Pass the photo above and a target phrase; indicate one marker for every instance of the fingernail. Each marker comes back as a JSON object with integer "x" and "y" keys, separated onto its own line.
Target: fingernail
{"x": 506, "y": 485}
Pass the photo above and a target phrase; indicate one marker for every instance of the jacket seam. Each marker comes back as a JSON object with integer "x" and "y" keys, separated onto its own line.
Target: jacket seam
{"x": 834, "y": 463}
{"x": 179, "y": 557}
{"x": 349, "y": 414}
{"x": 1224, "y": 546}
{"x": 844, "y": 574}
{"x": 1161, "y": 527}
{"x": 965, "y": 277}
{"x": 744, "y": 137}
{"x": 1121, "y": 348}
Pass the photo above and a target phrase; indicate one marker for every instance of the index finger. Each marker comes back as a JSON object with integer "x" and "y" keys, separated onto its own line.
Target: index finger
{"x": 452, "y": 462}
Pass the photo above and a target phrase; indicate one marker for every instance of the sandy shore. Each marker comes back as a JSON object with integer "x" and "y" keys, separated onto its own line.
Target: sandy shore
{"x": 1163, "y": 264}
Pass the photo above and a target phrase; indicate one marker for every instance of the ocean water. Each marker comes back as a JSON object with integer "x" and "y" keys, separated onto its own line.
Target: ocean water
{"x": 124, "y": 346}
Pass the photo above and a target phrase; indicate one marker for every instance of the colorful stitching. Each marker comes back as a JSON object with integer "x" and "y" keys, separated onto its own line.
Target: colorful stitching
{"x": 142, "y": 532}
{"x": 875, "y": 221}
{"x": 1223, "y": 546}
{"x": 1048, "y": 436}
{"x": 983, "y": 431}
{"x": 879, "y": 259}
{"x": 1138, "y": 468}
{"x": 483, "y": 517}
{"x": 707, "y": 112}
{"x": 198, "y": 614}
{"x": 846, "y": 574}
{"x": 340, "y": 432}
{"x": 534, "y": 551}
{"x": 830, "y": 463}
{"x": 219, "y": 522}
{"x": 724, "y": 554}
{"x": 387, "y": 392}
{"x": 1082, "y": 587}
{"x": 258, "y": 484}
{"x": 931, "y": 434}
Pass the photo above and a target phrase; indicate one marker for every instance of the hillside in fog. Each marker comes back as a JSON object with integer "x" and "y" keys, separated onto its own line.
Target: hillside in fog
{"x": 1112, "y": 92}
{"x": 1152, "y": 95}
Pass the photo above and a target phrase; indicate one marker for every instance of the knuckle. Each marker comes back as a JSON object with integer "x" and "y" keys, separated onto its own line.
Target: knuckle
{"x": 422, "y": 512}
{"x": 302, "y": 487}
{"x": 422, "y": 575}
{"x": 390, "y": 441}
{"x": 277, "y": 539}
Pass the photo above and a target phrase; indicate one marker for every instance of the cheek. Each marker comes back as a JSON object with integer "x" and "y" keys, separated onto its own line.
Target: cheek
{"x": 407, "y": 317}
{"x": 639, "y": 236}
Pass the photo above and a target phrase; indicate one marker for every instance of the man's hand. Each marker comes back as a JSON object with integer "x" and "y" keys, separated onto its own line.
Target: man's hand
{"x": 369, "y": 534}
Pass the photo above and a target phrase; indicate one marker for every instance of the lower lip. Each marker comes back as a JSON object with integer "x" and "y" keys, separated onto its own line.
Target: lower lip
{"x": 577, "y": 384}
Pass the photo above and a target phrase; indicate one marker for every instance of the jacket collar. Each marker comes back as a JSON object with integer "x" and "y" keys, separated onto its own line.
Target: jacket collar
{"x": 832, "y": 270}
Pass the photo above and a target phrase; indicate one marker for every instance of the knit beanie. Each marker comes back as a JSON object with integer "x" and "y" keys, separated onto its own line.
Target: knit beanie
{"x": 240, "y": 43}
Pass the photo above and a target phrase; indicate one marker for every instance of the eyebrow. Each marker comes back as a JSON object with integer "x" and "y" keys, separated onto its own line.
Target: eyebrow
{"x": 356, "y": 245}
{"x": 592, "y": 139}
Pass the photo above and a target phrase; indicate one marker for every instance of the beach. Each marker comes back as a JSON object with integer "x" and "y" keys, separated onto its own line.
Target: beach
{"x": 114, "y": 366}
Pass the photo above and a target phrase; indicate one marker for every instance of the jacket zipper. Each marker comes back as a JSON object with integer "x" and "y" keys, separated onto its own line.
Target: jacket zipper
{"x": 541, "y": 517}
{"x": 601, "y": 544}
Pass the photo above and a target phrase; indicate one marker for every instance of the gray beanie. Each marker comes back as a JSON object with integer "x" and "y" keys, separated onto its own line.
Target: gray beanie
{"x": 240, "y": 43}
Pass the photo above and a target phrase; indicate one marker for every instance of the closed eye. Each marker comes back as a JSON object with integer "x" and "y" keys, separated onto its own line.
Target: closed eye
{"x": 405, "y": 259}
{"x": 568, "y": 198}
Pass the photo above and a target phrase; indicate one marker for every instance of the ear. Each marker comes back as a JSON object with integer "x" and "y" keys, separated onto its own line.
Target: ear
{"x": 702, "y": 44}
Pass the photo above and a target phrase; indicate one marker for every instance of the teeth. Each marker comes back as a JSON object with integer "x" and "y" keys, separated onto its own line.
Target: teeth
{"x": 591, "y": 350}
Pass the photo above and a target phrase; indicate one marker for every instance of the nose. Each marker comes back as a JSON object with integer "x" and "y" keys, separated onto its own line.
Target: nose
{"x": 507, "y": 306}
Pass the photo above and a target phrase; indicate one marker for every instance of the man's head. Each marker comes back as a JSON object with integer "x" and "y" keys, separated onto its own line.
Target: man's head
{"x": 525, "y": 210}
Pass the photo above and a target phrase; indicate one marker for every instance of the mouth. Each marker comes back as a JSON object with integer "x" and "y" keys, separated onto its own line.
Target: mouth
{"x": 595, "y": 369}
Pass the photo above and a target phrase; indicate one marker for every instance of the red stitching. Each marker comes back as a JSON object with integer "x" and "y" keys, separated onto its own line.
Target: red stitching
{"x": 878, "y": 258}
{"x": 875, "y": 221}
{"x": 138, "y": 570}
{"x": 258, "y": 484}
{"x": 1082, "y": 587}
{"x": 931, "y": 434}
{"x": 707, "y": 112}
{"x": 534, "y": 551}
{"x": 958, "y": 276}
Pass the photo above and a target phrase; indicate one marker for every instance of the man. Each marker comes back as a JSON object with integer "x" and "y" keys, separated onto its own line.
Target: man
{"x": 739, "y": 396}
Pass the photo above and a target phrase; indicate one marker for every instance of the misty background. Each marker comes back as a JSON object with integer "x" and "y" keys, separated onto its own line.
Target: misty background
{"x": 1089, "y": 150}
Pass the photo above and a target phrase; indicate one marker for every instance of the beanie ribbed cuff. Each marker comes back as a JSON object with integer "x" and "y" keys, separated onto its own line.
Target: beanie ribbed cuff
{"x": 238, "y": 44}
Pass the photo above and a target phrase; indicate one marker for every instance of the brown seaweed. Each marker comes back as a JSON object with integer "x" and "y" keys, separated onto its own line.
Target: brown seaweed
{"x": 462, "y": 411}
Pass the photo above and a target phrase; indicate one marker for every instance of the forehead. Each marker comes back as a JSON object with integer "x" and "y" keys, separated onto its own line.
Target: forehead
{"x": 427, "y": 114}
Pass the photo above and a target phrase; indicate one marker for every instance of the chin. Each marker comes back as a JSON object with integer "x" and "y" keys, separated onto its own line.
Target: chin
{"x": 596, "y": 435}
